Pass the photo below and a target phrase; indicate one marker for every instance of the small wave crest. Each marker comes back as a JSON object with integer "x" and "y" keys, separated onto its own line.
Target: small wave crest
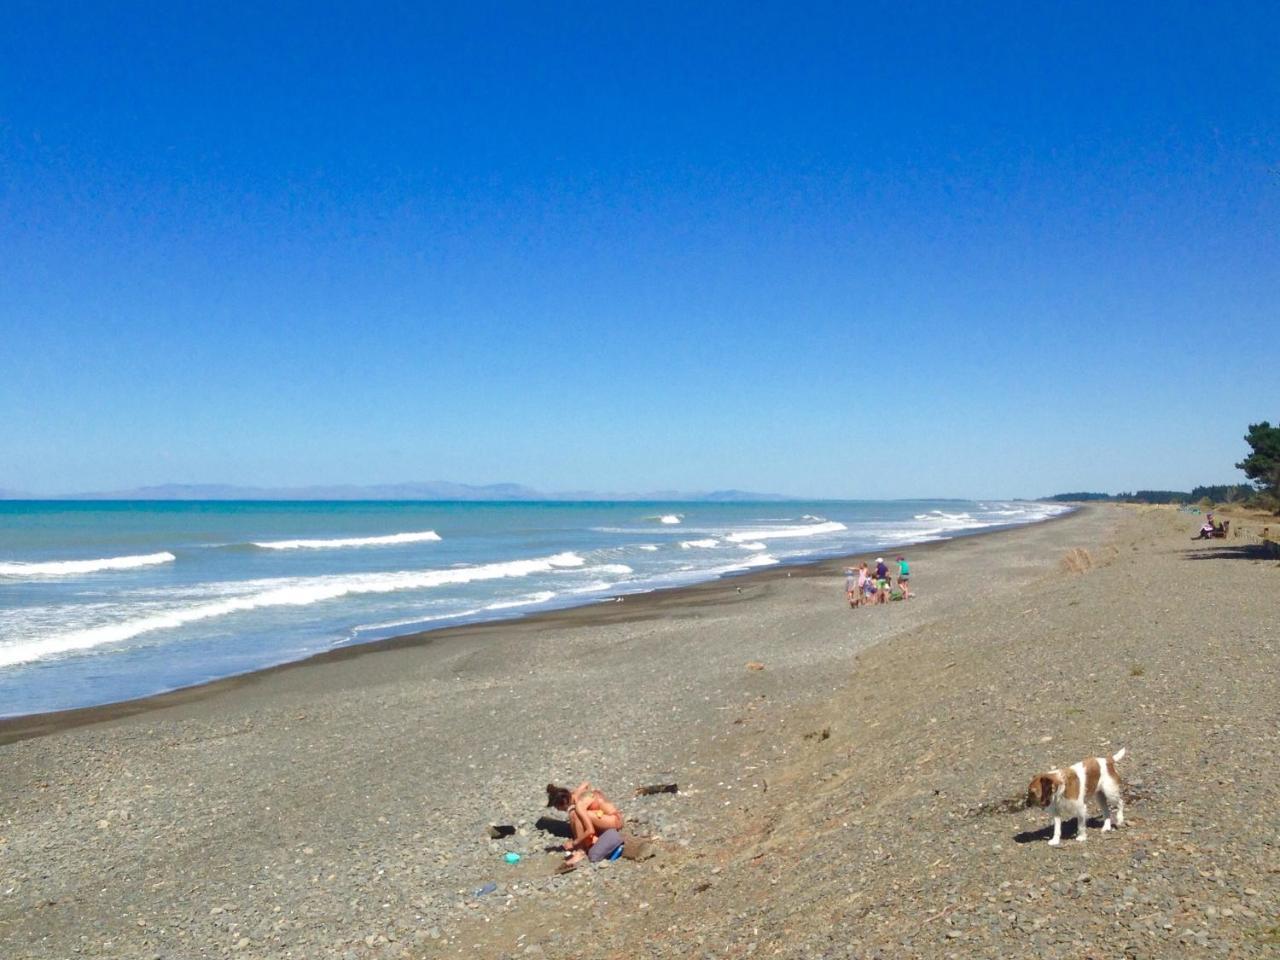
{"x": 776, "y": 533}
{"x": 706, "y": 544}
{"x": 952, "y": 521}
{"x": 616, "y": 569}
{"x": 746, "y": 563}
{"x": 63, "y": 568}
{"x": 542, "y": 596}
{"x": 422, "y": 536}
{"x": 670, "y": 518}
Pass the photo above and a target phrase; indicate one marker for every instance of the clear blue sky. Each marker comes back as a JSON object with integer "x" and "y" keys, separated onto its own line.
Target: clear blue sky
{"x": 848, "y": 250}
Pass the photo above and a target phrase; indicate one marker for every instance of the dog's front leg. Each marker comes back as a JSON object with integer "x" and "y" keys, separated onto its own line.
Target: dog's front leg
{"x": 1080, "y": 837}
{"x": 1057, "y": 832}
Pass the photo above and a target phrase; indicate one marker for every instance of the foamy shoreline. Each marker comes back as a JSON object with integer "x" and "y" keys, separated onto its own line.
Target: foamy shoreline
{"x": 488, "y": 616}
{"x": 239, "y": 588}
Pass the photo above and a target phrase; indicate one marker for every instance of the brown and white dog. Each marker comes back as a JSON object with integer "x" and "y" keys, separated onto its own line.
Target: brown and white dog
{"x": 1068, "y": 792}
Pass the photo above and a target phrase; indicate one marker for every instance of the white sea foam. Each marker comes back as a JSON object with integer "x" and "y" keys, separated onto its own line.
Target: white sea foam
{"x": 596, "y": 586}
{"x": 952, "y": 521}
{"x": 698, "y": 544}
{"x": 285, "y": 593}
{"x": 63, "y": 568}
{"x": 423, "y": 536}
{"x": 776, "y": 533}
{"x": 542, "y": 596}
{"x": 614, "y": 568}
{"x": 759, "y": 560}
{"x": 751, "y": 546}
{"x": 669, "y": 518}
{"x": 416, "y": 622}
{"x": 747, "y": 563}
{"x": 647, "y": 547}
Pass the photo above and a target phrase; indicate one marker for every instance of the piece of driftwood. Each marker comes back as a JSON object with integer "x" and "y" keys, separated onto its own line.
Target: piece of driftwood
{"x": 500, "y": 830}
{"x": 657, "y": 788}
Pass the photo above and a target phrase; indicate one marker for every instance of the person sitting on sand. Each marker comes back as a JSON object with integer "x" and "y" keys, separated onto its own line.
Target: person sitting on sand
{"x": 590, "y": 814}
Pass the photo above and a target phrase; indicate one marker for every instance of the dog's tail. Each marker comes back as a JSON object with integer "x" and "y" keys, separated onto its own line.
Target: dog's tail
{"x": 1118, "y": 755}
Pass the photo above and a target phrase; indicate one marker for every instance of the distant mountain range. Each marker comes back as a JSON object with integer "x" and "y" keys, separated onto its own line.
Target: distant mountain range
{"x": 432, "y": 490}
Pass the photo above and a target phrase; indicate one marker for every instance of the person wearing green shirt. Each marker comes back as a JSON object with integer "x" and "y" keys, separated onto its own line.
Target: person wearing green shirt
{"x": 904, "y": 575}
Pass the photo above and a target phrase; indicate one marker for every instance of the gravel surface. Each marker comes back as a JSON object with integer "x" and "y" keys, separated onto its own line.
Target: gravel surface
{"x": 856, "y": 797}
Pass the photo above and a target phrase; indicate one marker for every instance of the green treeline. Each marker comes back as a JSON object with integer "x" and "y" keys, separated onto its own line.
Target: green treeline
{"x": 1217, "y": 493}
{"x": 1262, "y": 466}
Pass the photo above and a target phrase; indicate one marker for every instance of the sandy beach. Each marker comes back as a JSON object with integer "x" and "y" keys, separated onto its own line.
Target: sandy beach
{"x": 859, "y": 796}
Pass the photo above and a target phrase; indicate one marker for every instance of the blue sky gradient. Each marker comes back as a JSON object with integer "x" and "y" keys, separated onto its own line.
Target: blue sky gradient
{"x": 847, "y": 250}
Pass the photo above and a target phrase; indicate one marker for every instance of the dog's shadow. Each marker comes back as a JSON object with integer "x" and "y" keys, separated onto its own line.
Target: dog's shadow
{"x": 1046, "y": 833}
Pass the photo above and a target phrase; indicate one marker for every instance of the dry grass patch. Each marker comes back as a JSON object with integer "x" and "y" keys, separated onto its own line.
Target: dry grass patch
{"x": 1077, "y": 560}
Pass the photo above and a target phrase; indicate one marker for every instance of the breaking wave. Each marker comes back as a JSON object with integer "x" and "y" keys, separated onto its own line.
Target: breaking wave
{"x": 63, "y": 568}
{"x": 774, "y": 533}
{"x": 394, "y": 538}
{"x": 286, "y": 593}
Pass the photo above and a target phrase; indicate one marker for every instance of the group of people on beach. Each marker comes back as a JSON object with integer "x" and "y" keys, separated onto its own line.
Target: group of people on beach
{"x": 865, "y": 586}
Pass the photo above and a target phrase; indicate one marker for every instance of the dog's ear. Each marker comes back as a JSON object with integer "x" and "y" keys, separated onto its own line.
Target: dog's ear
{"x": 1046, "y": 790}
{"x": 1039, "y": 791}
{"x": 1033, "y": 792}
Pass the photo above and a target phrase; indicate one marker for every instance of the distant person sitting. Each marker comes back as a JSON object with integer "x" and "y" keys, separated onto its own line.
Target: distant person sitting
{"x": 590, "y": 814}
{"x": 1208, "y": 530}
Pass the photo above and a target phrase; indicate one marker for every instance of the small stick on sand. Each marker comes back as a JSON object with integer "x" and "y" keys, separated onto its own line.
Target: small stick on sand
{"x": 657, "y": 788}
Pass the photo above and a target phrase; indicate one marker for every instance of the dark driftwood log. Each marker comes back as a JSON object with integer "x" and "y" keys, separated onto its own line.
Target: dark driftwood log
{"x": 657, "y": 788}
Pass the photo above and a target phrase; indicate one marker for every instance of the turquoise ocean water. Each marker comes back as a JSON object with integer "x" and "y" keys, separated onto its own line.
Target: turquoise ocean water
{"x": 107, "y": 601}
